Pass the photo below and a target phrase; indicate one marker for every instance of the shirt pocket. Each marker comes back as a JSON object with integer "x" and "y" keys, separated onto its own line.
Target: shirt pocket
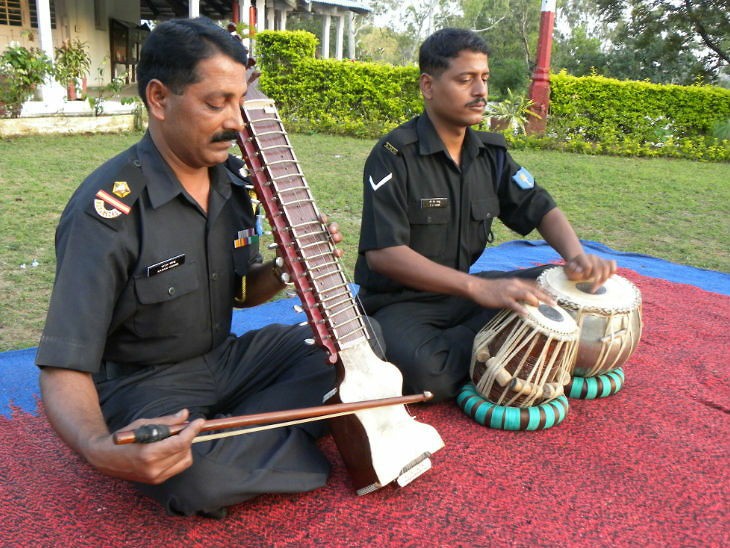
{"x": 167, "y": 302}
{"x": 429, "y": 229}
{"x": 483, "y": 213}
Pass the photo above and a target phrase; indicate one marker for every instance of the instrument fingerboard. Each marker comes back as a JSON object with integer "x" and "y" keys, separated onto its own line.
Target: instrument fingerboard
{"x": 303, "y": 240}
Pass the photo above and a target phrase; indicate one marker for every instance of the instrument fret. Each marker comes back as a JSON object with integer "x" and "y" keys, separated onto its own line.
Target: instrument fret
{"x": 310, "y": 241}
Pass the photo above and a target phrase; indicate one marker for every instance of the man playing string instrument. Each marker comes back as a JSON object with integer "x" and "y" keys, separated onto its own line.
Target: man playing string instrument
{"x": 153, "y": 249}
{"x": 432, "y": 188}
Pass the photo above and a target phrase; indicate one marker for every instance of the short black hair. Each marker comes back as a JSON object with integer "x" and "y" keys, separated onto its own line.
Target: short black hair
{"x": 442, "y": 46}
{"x": 174, "y": 48}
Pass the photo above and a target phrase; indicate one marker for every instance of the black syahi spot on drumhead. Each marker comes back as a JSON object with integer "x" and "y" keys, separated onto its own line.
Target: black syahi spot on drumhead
{"x": 585, "y": 287}
{"x": 550, "y": 313}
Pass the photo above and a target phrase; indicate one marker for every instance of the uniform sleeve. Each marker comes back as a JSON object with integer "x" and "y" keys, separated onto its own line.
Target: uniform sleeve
{"x": 91, "y": 272}
{"x": 523, "y": 203}
{"x": 385, "y": 203}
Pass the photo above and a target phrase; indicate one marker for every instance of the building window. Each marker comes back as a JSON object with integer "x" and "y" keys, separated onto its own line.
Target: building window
{"x": 10, "y": 13}
{"x": 33, "y": 10}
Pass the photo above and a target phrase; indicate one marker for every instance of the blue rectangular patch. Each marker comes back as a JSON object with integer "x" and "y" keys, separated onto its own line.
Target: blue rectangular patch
{"x": 523, "y": 179}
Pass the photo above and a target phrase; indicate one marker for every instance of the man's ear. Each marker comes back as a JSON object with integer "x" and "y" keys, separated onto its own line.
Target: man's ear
{"x": 425, "y": 82}
{"x": 157, "y": 95}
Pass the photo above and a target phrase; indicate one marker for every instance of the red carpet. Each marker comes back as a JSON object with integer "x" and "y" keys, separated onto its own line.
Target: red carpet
{"x": 647, "y": 466}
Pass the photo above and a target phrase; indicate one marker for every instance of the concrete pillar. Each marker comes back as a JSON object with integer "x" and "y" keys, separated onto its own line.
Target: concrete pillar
{"x": 51, "y": 92}
{"x": 243, "y": 10}
{"x": 326, "y": 23}
{"x": 194, "y": 8}
{"x": 350, "y": 36}
{"x": 340, "y": 36}
{"x": 281, "y": 25}
{"x": 270, "y": 16}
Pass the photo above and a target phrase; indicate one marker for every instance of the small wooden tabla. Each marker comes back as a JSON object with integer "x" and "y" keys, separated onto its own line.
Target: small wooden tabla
{"x": 523, "y": 361}
{"x": 609, "y": 319}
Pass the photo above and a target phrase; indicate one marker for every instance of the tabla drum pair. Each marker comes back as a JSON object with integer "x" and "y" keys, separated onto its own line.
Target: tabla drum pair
{"x": 610, "y": 325}
{"x": 520, "y": 365}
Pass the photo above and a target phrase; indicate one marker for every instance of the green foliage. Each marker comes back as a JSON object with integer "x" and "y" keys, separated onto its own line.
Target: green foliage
{"x": 512, "y": 113}
{"x": 71, "y": 62}
{"x": 721, "y": 129}
{"x": 331, "y": 96}
{"x": 345, "y": 97}
{"x": 600, "y": 115}
{"x": 507, "y": 74}
{"x": 21, "y": 71}
{"x": 277, "y": 48}
{"x": 592, "y": 115}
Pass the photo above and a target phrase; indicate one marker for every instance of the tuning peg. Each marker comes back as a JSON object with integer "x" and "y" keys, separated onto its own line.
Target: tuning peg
{"x": 303, "y": 324}
{"x": 272, "y": 246}
{"x": 298, "y": 309}
{"x": 290, "y": 293}
{"x": 309, "y": 342}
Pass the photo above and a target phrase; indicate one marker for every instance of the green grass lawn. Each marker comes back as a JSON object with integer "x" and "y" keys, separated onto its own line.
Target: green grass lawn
{"x": 674, "y": 209}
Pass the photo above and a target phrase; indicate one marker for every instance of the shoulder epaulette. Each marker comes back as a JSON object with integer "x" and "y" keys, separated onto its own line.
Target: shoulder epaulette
{"x": 494, "y": 139}
{"x": 115, "y": 198}
{"x": 237, "y": 167}
{"x": 398, "y": 138}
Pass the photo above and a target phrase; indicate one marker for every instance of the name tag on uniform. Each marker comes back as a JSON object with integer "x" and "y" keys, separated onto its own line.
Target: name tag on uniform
{"x": 164, "y": 266}
{"x": 428, "y": 203}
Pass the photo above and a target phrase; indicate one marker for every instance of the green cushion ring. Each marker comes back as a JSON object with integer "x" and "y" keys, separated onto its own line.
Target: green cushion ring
{"x": 486, "y": 413}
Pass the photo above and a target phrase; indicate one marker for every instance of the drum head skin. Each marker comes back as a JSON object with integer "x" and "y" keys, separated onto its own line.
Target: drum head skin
{"x": 552, "y": 320}
{"x": 617, "y": 294}
{"x": 486, "y": 413}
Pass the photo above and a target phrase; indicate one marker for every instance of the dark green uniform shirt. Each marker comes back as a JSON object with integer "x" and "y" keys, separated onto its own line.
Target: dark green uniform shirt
{"x": 144, "y": 276}
{"x": 415, "y": 195}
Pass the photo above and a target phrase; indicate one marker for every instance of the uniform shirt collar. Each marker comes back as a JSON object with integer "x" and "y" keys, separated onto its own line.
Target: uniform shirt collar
{"x": 162, "y": 184}
{"x": 429, "y": 141}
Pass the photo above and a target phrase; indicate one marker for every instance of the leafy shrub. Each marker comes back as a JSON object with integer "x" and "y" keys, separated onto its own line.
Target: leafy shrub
{"x": 590, "y": 115}
{"x": 638, "y": 118}
{"x": 331, "y": 96}
{"x": 22, "y": 70}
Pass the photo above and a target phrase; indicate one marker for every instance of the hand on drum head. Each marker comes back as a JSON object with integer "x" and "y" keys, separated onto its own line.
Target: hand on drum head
{"x": 511, "y": 293}
{"x": 590, "y": 267}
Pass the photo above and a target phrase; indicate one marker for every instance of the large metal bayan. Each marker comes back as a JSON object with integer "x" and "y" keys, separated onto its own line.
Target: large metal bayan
{"x": 609, "y": 320}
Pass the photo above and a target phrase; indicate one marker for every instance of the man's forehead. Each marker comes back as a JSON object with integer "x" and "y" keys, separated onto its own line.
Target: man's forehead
{"x": 468, "y": 61}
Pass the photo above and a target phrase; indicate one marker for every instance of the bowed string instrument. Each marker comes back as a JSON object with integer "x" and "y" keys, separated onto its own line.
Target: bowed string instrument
{"x": 380, "y": 442}
{"x": 378, "y": 445}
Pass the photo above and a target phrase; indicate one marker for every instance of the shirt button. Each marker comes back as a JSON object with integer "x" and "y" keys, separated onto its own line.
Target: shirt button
{"x": 216, "y": 326}
{"x": 214, "y": 276}
{"x": 171, "y": 291}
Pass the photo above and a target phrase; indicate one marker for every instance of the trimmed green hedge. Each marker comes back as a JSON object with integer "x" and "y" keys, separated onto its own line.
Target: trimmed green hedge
{"x": 593, "y": 115}
{"x": 331, "y": 96}
{"x": 608, "y": 116}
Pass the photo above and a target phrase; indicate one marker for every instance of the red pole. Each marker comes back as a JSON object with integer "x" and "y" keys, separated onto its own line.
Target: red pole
{"x": 540, "y": 87}
{"x": 236, "y": 10}
{"x": 252, "y": 15}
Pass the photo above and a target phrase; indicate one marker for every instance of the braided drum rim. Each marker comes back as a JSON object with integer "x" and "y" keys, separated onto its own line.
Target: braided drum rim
{"x": 502, "y": 417}
{"x": 598, "y": 386}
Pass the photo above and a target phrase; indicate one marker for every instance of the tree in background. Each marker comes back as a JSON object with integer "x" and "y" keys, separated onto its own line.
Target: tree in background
{"x": 663, "y": 41}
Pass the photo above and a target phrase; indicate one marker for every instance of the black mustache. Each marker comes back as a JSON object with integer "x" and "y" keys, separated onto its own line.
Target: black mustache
{"x": 477, "y": 102}
{"x": 229, "y": 135}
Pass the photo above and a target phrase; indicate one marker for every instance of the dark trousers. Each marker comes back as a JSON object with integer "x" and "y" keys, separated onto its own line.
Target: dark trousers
{"x": 265, "y": 370}
{"x": 431, "y": 340}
